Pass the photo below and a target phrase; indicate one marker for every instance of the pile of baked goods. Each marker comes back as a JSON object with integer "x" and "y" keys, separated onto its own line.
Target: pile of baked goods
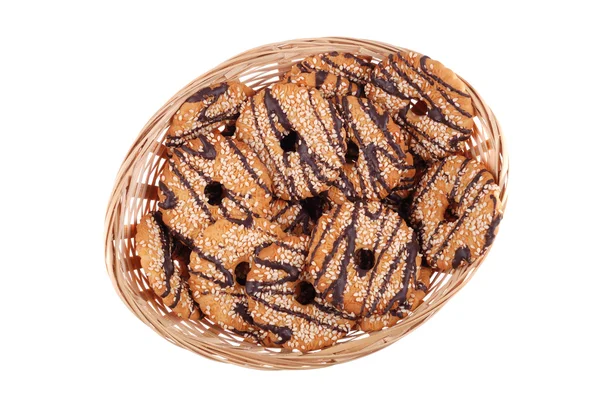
{"x": 321, "y": 204}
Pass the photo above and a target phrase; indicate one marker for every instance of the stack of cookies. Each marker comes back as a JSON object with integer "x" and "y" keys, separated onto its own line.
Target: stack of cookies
{"x": 321, "y": 204}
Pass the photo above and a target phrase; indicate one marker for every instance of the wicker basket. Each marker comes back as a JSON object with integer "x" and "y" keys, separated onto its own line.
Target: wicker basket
{"x": 136, "y": 192}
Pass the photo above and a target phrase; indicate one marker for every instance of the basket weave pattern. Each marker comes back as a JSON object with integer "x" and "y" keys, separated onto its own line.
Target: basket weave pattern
{"x": 136, "y": 192}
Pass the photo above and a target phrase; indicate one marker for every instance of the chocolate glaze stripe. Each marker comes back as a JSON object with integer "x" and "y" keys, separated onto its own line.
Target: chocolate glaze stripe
{"x": 459, "y": 175}
{"x": 287, "y": 182}
{"x": 190, "y": 189}
{"x": 375, "y": 215}
{"x": 208, "y": 150}
{"x": 473, "y": 182}
{"x": 165, "y": 240}
{"x": 422, "y": 190}
{"x": 423, "y": 63}
{"x": 339, "y": 284}
{"x": 283, "y": 333}
{"x": 345, "y": 71}
{"x": 337, "y": 127}
{"x": 434, "y": 113}
{"x": 420, "y": 136}
{"x": 301, "y": 315}
{"x": 381, "y": 121}
{"x": 208, "y": 92}
{"x": 387, "y": 84}
{"x": 329, "y": 257}
{"x": 258, "y": 288}
{"x": 375, "y": 266}
{"x": 283, "y": 211}
{"x": 410, "y": 271}
{"x": 228, "y": 118}
{"x": 388, "y": 275}
{"x": 170, "y": 201}
{"x": 458, "y": 223}
{"x": 292, "y": 271}
{"x": 336, "y": 212}
{"x": 320, "y": 77}
{"x": 247, "y": 166}
{"x": 220, "y": 283}
{"x": 332, "y": 311}
{"x": 426, "y": 75}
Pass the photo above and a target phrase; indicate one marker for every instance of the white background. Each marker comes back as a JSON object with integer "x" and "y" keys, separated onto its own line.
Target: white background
{"x": 79, "y": 80}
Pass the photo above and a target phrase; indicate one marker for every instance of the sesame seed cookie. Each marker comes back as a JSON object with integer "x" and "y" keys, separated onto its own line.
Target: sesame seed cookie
{"x": 427, "y": 99}
{"x": 456, "y": 212}
{"x": 328, "y": 83}
{"x": 413, "y": 300}
{"x": 300, "y": 217}
{"x": 164, "y": 265}
{"x": 377, "y": 160}
{"x": 219, "y": 265}
{"x": 346, "y": 65}
{"x": 206, "y": 110}
{"x": 284, "y": 304}
{"x": 363, "y": 258}
{"x": 299, "y": 137}
{"x": 209, "y": 178}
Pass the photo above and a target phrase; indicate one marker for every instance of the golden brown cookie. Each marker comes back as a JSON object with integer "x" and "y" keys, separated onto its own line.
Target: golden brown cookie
{"x": 346, "y": 65}
{"x": 212, "y": 177}
{"x": 456, "y": 212}
{"x": 413, "y": 300}
{"x": 328, "y": 83}
{"x": 363, "y": 258}
{"x": 206, "y": 110}
{"x": 163, "y": 261}
{"x": 299, "y": 137}
{"x": 218, "y": 267}
{"x": 300, "y": 217}
{"x": 377, "y": 160}
{"x": 284, "y": 304}
{"x": 427, "y": 99}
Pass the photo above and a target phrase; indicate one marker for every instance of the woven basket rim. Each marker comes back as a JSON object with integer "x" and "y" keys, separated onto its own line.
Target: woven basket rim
{"x": 206, "y": 339}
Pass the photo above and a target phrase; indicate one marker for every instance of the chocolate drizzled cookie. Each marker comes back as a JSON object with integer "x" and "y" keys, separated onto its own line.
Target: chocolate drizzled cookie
{"x": 427, "y": 99}
{"x": 206, "y": 110}
{"x": 219, "y": 265}
{"x": 363, "y": 258}
{"x": 346, "y": 65}
{"x": 376, "y": 160}
{"x": 456, "y": 212}
{"x": 164, "y": 262}
{"x": 209, "y": 178}
{"x": 285, "y": 305}
{"x": 299, "y": 137}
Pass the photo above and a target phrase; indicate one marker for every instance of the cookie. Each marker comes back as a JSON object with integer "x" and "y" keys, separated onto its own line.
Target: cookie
{"x": 456, "y": 212}
{"x": 212, "y": 177}
{"x": 328, "y": 83}
{"x": 363, "y": 258}
{"x": 300, "y": 217}
{"x": 219, "y": 264}
{"x": 376, "y": 161}
{"x": 284, "y": 304}
{"x": 427, "y": 99}
{"x": 207, "y": 109}
{"x": 346, "y": 65}
{"x": 299, "y": 137}
{"x": 413, "y": 300}
{"x": 164, "y": 263}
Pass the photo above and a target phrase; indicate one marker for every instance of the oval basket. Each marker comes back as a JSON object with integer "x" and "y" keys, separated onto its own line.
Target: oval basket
{"x": 136, "y": 192}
